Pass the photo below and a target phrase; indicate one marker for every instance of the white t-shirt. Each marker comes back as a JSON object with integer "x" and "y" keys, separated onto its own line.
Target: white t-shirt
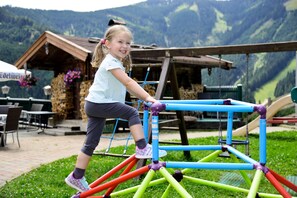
{"x": 106, "y": 88}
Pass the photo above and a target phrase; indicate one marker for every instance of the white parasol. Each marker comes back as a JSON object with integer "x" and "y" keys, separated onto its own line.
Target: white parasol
{"x": 10, "y": 72}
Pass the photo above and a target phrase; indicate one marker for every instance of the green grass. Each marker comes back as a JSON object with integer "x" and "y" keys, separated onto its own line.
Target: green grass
{"x": 291, "y": 5}
{"x": 48, "y": 180}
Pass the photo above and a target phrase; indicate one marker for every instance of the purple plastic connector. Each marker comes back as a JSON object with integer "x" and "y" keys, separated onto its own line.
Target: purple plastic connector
{"x": 157, "y": 107}
{"x": 145, "y": 107}
{"x": 261, "y": 109}
{"x": 227, "y": 102}
{"x": 157, "y": 165}
{"x": 224, "y": 148}
{"x": 178, "y": 175}
{"x": 259, "y": 166}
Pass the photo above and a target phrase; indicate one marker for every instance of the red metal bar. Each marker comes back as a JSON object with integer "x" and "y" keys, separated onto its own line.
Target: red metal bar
{"x": 282, "y": 120}
{"x": 277, "y": 185}
{"x": 115, "y": 182}
{"x": 284, "y": 181}
{"x": 112, "y": 171}
{"x": 127, "y": 170}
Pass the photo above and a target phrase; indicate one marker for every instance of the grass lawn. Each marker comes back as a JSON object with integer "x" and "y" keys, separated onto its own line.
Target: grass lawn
{"x": 48, "y": 180}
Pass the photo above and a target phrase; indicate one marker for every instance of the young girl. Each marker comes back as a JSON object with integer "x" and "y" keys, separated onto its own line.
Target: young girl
{"x": 106, "y": 99}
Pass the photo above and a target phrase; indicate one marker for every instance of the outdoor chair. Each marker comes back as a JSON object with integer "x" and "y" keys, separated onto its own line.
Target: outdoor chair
{"x": 27, "y": 119}
{"x": 11, "y": 124}
{"x": 4, "y": 109}
{"x": 34, "y": 107}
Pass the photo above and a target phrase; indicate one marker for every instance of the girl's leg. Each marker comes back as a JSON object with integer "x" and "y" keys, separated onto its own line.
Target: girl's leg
{"x": 82, "y": 161}
{"x": 137, "y": 132}
{"x": 94, "y": 131}
{"x": 95, "y": 126}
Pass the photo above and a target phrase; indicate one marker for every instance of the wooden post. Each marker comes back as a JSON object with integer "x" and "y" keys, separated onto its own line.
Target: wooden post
{"x": 179, "y": 114}
{"x": 169, "y": 69}
{"x": 159, "y": 93}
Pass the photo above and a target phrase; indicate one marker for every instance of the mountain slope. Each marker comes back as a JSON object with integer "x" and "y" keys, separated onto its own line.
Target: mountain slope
{"x": 179, "y": 23}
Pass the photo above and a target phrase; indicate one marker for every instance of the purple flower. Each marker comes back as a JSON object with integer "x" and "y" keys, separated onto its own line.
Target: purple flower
{"x": 71, "y": 76}
{"x": 27, "y": 81}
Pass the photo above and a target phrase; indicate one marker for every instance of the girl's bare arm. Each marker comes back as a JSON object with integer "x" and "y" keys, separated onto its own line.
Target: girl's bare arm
{"x": 132, "y": 86}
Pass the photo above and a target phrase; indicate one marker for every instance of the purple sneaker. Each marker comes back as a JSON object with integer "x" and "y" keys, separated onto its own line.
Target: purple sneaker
{"x": 79, "y": 184}
{"x": 146, "y": 152}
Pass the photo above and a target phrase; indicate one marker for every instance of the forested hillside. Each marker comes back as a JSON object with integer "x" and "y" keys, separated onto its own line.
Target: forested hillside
{"x": 174, "y": 23}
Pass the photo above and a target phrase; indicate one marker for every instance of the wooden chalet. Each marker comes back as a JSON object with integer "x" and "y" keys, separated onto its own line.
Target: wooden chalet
{"x": 60, "y": 53}
{"x": 170, "y": 69}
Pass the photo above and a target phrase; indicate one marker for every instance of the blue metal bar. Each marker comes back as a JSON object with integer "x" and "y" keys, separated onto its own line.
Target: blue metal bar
{"x": 155, "y": 137}
{"x": 209, "y": 165}
{"x": 241, "y": 155}
{"x": 145, "y": 123}
{"x": 206, "y": 102}
{"x": 237, "y": 102}
{"x": 262, "y": 138}
{"x": 213, "y": 108}
{"x": 191, "y": 148}
{"x": 229, "y": 128}
{"x": 142, "y": 85}
{"x": 146, "y": 76}
{"x": 112, "y": 135}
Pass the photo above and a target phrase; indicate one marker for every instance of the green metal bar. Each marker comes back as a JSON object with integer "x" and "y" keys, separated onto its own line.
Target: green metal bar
{"x": 215, "y": 184}
{"x": 255, "y": 185}
{"x": 144, "y": 183}
{"x": 242, "y": 172}
{"x": 228, "y": 187}
{"x": 134, "y": 188}
{"x": 166, "y": 192}
{"x": 174, "y": 183}
{"x": 205, "y": 159}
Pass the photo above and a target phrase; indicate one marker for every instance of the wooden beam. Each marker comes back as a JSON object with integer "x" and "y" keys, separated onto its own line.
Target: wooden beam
{"x": 69, "y": 47}
{"x": 57, "y": 41}
{"x": 179, "y": 114}
{"x": 216, "y": 50}
{"x": 31, "y": 51}
{"x": 159, "y": 93}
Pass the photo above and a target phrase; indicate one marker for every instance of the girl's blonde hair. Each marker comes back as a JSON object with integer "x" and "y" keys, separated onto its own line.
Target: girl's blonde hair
{"x": 101, "y": 50}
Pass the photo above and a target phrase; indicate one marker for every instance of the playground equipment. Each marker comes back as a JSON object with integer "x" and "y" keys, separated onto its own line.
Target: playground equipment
{"x": 242, "y": 162}
{"x": 286, "y": 120}
{"x": 294, "y": 94}
{"x": 271, "y": 111}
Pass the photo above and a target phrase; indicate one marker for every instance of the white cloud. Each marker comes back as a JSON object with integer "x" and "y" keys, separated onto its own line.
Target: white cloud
{"x": 76, "y": 5}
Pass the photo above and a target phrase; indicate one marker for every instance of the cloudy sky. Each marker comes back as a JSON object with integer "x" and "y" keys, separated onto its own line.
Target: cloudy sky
{"x": 76, "y": 5}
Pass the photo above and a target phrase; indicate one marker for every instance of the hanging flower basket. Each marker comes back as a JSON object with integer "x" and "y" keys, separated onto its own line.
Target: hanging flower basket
{"x": 27, "y": 81}
{"x": 72, "y": 76}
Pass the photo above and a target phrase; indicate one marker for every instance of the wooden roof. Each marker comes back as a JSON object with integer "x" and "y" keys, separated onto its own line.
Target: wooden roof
{"x": 59, "y": 48}
{"x": 50, "y": 50}
{"x": 217, "y": 50}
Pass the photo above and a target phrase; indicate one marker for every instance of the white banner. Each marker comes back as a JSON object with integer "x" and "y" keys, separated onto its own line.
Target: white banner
{"x": 10, "y": 72}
